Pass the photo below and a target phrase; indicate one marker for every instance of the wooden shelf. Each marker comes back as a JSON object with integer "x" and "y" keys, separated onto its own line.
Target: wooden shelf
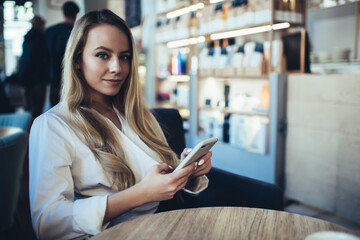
{"x": 184, "y": 111}
{"x": 207, "y": 35}
{"x": 236, "y": 78}
{"x": 198, "y": 86}
{"x": 165, "y": 104}
{"x": 229, "y": 111}
{"x": 171, "y": 10}
{"x": 316, "y": 6}
{"x": 176, "y": 78}
{"x": 338, "y": 62}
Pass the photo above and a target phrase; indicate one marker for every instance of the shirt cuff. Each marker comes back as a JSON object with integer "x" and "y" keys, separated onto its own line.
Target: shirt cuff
{"x": 196, "y": 185}
{"x": 89, "y": 215}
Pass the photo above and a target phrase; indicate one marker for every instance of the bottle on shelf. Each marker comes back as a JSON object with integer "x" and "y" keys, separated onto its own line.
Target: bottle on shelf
{"x": 286, "y": 10}
{"x": 295, "y": 7}
{"x": 281, "y": 10}
{"x": 178, "y": 62}
{"x": 217, "y": 22}
{"x": 237, "y": 61}
{"x": 299, "y": 10}
{"x": 193, "y": 24}
{"x": 240, "y": 10}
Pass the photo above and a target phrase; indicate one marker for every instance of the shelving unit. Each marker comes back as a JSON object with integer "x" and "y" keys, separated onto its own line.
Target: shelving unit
{"x": 338, "y": 67}
{"x": 227, "y": 111}
{"x": 272, "y": 107}
{"x": 334, "y": 56}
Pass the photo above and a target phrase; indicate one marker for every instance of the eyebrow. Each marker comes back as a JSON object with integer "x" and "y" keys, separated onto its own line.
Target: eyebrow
{"x": 109, "y": 50}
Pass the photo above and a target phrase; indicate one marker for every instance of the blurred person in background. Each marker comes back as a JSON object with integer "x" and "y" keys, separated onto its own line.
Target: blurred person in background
{"x": 5, "y": 106}
{"x": 32, "y": 72}
{"x": 56, "y": 39}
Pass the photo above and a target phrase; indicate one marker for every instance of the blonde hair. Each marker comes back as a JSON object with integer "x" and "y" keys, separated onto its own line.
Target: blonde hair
{"x": 129, "y": 102}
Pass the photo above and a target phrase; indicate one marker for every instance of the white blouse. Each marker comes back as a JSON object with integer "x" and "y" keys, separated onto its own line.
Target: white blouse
{"x": 68, "y": 187}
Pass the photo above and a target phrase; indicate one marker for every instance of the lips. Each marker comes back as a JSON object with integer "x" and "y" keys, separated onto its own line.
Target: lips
{"x": 113, "y": 82}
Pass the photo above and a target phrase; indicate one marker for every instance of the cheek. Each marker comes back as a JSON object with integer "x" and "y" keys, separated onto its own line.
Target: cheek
{"x": 91, "y": 69}
{"x": 89, "y": 66}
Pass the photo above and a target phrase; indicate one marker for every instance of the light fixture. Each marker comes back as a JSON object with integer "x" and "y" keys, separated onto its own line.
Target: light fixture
{"x": 184, "y": 10}
{"x": 249, "y": 31}
{"x": 185, "y": 42}
{"x": 280, "y": 26}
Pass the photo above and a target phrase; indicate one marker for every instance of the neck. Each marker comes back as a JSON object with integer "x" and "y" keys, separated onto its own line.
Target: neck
{"x": 102, "y": 107}
{"x": 69, "y": 20}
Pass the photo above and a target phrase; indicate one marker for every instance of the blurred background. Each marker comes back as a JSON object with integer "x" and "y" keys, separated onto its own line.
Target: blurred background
{"x": 277, "y": 81}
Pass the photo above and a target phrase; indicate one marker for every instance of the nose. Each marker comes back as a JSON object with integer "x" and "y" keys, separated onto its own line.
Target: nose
{"x": 115, "y": 66}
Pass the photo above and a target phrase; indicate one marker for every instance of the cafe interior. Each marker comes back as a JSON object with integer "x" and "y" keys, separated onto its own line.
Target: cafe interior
{"x": 277, "y": 82}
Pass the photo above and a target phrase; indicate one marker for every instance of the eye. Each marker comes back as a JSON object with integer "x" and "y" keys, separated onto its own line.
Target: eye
{"x": 125, "y": 58}
{"x": 102, "y": 55}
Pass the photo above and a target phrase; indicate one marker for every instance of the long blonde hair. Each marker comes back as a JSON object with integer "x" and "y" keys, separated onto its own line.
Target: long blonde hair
{"x": 130, "y": 102}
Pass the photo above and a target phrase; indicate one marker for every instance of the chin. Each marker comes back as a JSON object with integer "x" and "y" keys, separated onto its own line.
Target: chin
{"x": 113, "y": 94}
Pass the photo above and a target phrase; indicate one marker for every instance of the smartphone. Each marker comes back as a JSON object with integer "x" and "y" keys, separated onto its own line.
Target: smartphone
{"x": 198, "y": 151}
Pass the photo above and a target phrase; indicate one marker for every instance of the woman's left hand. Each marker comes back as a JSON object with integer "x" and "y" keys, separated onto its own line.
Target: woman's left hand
{"x": 203, "y": 164}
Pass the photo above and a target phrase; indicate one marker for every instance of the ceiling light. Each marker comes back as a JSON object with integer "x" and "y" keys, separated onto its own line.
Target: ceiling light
{"x": 249, "y": 31}
{"x": 186, "y": 42}
{"x": 184, "y": 10}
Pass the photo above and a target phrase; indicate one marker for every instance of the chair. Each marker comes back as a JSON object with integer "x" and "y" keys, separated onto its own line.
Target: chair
{"x": 21, "y": 120}
{"x": 228, "y": 189}
{"x": 5, "y": 106}
{"x": 12, "y": 154}
{"x": 225, "y": 188}
{"x": 172, "y": 125}
{"x": 21, "y": 229}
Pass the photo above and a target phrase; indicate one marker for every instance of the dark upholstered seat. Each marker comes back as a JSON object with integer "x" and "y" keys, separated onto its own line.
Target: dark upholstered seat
{"x": 225, "y": 188}
{"x": 12, "y": 154}
{"x": 172, "y": 126}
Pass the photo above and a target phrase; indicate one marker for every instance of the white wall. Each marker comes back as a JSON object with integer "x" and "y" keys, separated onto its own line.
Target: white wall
{"x": 322, "y": 143}
{"x": 117, "y": 7}
{"x": 333, "y": 28}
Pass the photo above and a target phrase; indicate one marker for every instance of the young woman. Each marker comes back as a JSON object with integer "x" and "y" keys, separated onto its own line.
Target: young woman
{"x": 98, "y": 157}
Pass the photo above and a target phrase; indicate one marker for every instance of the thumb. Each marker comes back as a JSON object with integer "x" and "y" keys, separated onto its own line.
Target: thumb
{"x": 162, "y": 167}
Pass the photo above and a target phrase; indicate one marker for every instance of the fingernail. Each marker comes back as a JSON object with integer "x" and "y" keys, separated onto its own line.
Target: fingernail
{"x": 171, "y": 167}
{"x": 201, "y": 162}
{"x": 196, "y": 164}
{"x": 189, "y": 150}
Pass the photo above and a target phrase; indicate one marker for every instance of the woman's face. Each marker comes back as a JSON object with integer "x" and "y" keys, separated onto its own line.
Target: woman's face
{"x": 106, "y": 61}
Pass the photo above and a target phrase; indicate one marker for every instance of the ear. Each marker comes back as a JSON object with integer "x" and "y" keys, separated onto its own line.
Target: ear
{"x": 77, "y": 66}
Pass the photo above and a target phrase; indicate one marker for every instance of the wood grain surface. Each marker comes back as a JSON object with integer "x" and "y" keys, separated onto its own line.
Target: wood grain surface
{"x": 220, "y": 223}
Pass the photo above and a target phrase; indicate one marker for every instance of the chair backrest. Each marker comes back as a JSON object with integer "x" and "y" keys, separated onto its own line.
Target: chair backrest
{"x": 21, "y": 120}
{"x": 172, "y": 125}
{"x": 225, "y": 188}
{"x": 12, "y": 154}
{"x": 228, "y": 189}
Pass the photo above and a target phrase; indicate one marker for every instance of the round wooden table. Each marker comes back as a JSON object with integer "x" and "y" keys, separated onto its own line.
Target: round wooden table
{"x": 6, "y": 131}
{"x": 220, "y": 223}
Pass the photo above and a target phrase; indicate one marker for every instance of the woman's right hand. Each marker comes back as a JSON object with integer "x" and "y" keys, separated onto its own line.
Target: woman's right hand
{"x": 155, "y": 187}
{"x": 158, "y": 186}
